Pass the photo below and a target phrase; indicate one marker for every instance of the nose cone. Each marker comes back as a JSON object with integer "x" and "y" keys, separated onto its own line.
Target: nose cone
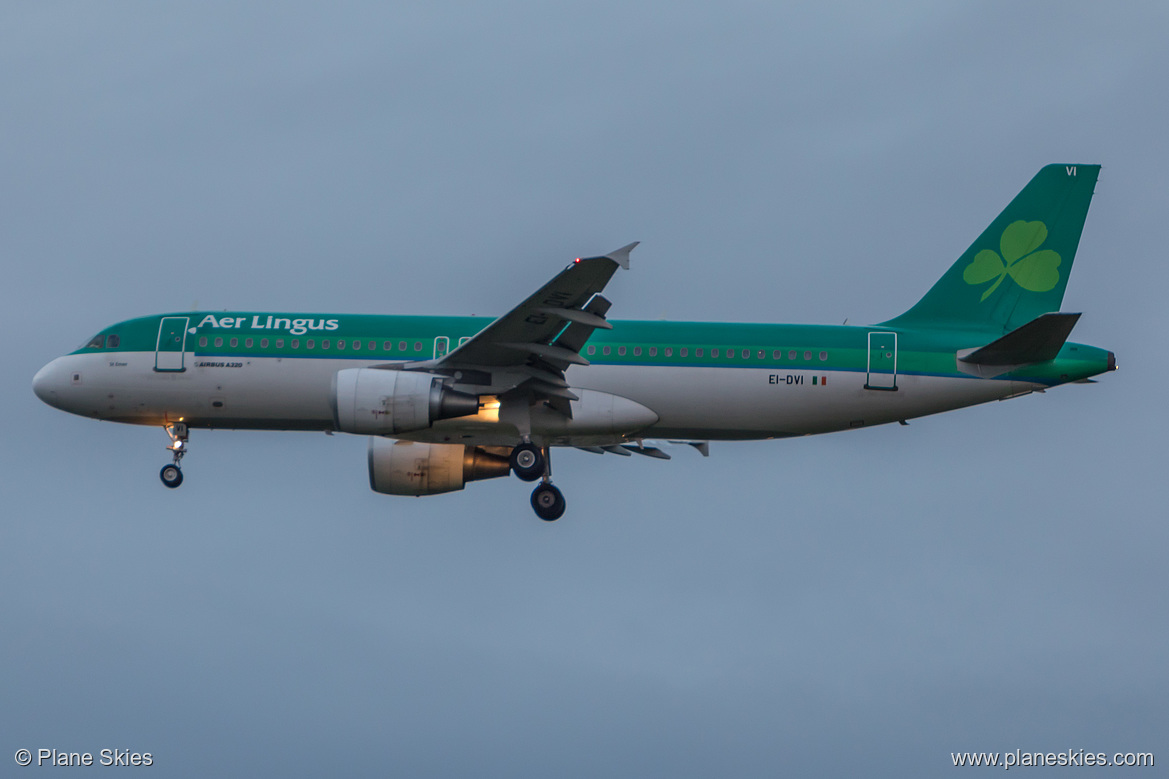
{"x": 47, "y": 384}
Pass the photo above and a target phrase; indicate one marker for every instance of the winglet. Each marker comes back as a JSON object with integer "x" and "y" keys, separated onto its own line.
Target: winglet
{"x": 621, "y": 256}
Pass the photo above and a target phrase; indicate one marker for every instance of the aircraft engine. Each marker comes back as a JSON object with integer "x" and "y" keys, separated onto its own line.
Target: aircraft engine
{"x": 370, "y": 401}
{"x": 408, "y": 468}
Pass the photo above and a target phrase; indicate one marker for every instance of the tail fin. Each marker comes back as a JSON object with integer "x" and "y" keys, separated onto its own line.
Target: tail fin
{"x": 1018, "y": 268}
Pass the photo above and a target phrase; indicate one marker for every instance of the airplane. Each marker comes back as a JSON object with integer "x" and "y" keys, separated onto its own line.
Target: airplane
{"x": 446, "y": 401}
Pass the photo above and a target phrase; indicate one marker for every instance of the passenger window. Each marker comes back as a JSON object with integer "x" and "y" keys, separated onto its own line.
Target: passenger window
{"x": 713, "y": 353}
{"x": 112, "y": 341}
{"x": 792, "y": 354}
{"x": 417, "y": 346}
{"x": 340, "y": 344}
{"x": 637, "y": 351}
{"x": 653, "y": 351}
{"x": 387, "y": 346}
{"x": 401, "y": 346}
{"x": 310, "y": 343}
{"x": 234, "y": 342}
{"x": 295, "y": 343}
{"x": 747, "y": 354}
{"x": 684, "y": 352}
{"x": 279, "y": 343}
{"x": 777, "y": 355}
{"x": 669, "y": 351}
{"x": 248, "y": 343}
{"x": 807, "y": 355}
{"x": 823, "y": 356}
{"x": 592, "y": 350}
{"x": 325, "y": 343}
{"x": 97, "y": 342}
{"x": 263, "y": 343}
{"x": 606, "y": 350}
{"x": 219, "y": 342}
{"x": 621, "y": 350}
{"x": 203, "y": 340}
{"x": 372, "y": 346}
{"x": 697, "y": 352}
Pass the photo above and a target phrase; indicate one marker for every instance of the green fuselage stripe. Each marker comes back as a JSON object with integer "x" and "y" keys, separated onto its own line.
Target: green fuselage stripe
{"x": 816, "y": 348}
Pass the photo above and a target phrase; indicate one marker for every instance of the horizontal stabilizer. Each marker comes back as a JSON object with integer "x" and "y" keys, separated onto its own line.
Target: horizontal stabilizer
{"x": 1037, "y": 341}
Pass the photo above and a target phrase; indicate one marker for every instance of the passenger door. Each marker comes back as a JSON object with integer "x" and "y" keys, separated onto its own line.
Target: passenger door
{"x": 172, "y": 340}
{"x": 882, "y": 370}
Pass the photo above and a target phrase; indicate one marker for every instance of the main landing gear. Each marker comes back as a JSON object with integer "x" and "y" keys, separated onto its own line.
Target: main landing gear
{"x": 529, "y": 462}
{"x": 548, "y": 502}
{"x": 171, "y": 474}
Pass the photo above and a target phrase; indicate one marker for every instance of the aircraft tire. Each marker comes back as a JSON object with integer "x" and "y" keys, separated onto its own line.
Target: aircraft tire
{"x": 527, "y": 462}
{"x": 548, "y": 502}
{"x": 171, "y": 475}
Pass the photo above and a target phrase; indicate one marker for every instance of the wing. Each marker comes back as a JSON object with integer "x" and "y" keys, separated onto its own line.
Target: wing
{"x": 531, "y": 346}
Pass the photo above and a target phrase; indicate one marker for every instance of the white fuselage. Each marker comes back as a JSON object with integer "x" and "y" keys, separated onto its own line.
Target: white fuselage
{"x": 689, "y": 402}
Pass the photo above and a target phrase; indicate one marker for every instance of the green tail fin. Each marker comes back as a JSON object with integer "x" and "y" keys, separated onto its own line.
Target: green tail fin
{"x": 1018, "y": 268}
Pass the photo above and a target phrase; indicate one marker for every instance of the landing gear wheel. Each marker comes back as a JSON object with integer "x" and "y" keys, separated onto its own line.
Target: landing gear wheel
{"x": 526, "y": 462}
{"x": 548, "y": 502}
{"x": 171, "y": 475}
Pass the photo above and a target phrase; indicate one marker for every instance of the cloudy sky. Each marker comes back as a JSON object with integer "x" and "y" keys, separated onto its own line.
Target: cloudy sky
{"x": 860, "y": 603}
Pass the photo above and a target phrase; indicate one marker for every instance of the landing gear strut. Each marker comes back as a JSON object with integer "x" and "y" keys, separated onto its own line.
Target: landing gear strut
{"x": 171, "y": 474}
{"x": 531, "y": 463}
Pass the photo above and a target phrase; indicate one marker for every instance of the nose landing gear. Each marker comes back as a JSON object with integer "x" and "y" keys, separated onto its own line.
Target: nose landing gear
{"x": 171, "y": 474}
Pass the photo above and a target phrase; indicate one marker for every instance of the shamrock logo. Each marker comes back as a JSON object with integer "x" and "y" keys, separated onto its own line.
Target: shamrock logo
{"x": 1034, "y": 271}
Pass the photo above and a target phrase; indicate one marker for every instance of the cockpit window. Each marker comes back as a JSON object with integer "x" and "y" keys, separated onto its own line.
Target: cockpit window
{"x": 112, "y": 341}
{"x": 97, "y": 342}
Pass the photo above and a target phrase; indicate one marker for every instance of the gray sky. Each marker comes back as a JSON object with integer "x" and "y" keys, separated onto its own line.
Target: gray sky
{"x": 860, "y": 603}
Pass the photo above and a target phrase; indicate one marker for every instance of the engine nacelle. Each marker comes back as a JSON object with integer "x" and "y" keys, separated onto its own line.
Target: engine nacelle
{"x": 370, "y": 401}
{"x": 408, "y": 468}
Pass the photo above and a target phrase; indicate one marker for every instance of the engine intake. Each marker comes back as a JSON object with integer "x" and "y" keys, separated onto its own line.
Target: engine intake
{"x": 409, "y": 468}
{"x": 370, "y": 401}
